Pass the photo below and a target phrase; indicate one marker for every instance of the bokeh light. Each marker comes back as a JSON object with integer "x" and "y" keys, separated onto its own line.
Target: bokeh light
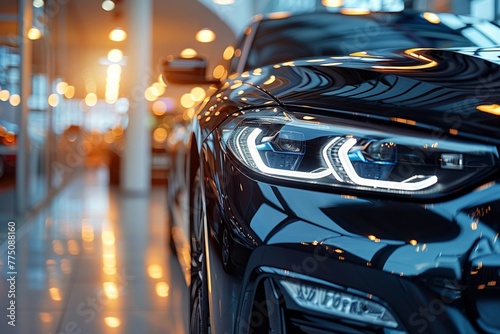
{"x": 53, "y": 100}
{"x": 91, "y": 99}
{"x": 15, "y": 100}
{"x": 117, "y": 35}
{"x": 205, "y": 35}
{"x": 115, "y": 55}
{"x": 108, "y": 5}
{"x": 188, "y": 53}
{"x": 34, "y": 34}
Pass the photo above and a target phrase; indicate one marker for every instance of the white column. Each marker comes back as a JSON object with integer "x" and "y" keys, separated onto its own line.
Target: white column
{"x": 135, "y": 163}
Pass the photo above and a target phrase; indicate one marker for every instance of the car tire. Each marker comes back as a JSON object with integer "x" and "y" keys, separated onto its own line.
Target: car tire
{"x": 199, "y": 311}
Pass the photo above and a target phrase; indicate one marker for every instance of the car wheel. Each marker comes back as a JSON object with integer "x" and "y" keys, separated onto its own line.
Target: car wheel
{"x": 227, "y": 261}
{"x": 199, "y": 312}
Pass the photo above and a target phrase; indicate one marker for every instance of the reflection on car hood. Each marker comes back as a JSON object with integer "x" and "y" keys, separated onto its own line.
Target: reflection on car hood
{"x": 449, "y": 91}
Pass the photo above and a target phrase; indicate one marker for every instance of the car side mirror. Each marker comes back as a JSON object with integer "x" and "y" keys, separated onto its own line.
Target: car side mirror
{"x": 179, "y": 70}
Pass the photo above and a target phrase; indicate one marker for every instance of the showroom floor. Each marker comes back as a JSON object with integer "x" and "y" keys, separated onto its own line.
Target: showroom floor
{"x": 95, "y": 261}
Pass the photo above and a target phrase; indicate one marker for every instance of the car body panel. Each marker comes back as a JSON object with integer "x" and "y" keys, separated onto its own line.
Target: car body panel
{"x": 432, "y": 261}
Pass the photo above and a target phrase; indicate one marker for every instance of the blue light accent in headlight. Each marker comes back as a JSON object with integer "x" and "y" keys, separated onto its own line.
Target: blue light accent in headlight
{"x": 374, "y": 160}
{"x": 353, "y": 155}
{"x": 285, "y": 150}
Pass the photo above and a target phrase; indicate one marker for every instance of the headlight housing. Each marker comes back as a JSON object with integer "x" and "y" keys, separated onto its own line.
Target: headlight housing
{"x": 339, "y": 303}
{"x": 354, "y": 155}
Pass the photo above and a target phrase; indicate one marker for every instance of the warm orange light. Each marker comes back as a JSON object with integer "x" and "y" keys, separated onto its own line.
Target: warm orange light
{"x": 162, "y": 289}
{"x": 431, "y": 17}
{"x": 34, "y": 34}
{"x": 9, "y": 138}
{"x": 108, "y": 237}
{"x": 69, "y": 93}
{"x": 269, "y": 81}
{"x": 413, "y": 242}
{"x": 228, "y": 53}
{"x": 158, "y": 89}
{"x": 109, "y": 260}
{"x": 161, "y": 80}
{"x": 66, "y": 266}
{"x": 73, "y": 247}
{"x": 115, "y": 55}
{"x": 117, "y": 35}
{"x": 332, "y": 3}
{"x": 110, "y": 290}
{"x": 61, "y": 87}
{"x": 279, "y": 15}
{"x": 355, "y": 11}
{"x": 46, "y": 317}
{"x": 188, "y": 53}
{"x": 205, "y": 35}
{"x": 159, "y": 108}
{"x": 411, "y": 52}
{"x": 53, "y": 100}
{"x": 112, "y": 322}
{"x": 4, "y": 95}
{"x": 15, "y": 100}
{"x": 187, "y": 100}
{"x": 219, "y": 71}
{"x": 91, "y": 99}
{"x": 55, "y": 294}
{"x": 160, "y": 135}
{"x": 490, "y": 108}
{"x": 150, "y": 94}
{"x": 155, "y": 271}
{"x": 198, "y": 94}
{"x": 58, "y": 247}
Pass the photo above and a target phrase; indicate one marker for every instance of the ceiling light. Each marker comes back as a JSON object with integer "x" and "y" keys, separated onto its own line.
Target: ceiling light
{"x": 34, "y": 33}
{"x": 108, "y": 5}
{"x": 38, "y": 3}
{"x": 188, "y": 53}
{"x": 115, "y": 55}
{"x": 205, "y": 35}
{"x": 117, "y": 35}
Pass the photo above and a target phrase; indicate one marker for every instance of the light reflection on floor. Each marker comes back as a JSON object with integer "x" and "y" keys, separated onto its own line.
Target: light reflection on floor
{"x": 96, "y": 261}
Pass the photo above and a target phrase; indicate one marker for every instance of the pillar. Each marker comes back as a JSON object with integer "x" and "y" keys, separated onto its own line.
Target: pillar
{"x": 135, "y": 168}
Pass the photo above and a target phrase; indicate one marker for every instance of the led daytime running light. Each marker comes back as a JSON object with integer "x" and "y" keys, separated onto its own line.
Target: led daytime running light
{"x": 403, "y": 185}
{"x": 408, "y": 184}
{"x": 251, "y": 144}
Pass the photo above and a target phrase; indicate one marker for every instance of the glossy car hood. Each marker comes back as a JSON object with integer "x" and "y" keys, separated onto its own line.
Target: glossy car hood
{"x": 449, "y": 91}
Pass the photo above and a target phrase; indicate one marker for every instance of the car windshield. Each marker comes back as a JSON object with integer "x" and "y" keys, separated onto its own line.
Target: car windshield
{"x": 328, "y": 34}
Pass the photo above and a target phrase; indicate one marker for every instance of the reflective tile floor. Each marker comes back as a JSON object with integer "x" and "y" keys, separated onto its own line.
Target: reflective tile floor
{"x": 95, "y": 261}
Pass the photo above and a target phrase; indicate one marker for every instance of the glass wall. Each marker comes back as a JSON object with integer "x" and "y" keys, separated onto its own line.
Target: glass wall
{"x": 10, "y": 75}
{"x": 40, "y": 137}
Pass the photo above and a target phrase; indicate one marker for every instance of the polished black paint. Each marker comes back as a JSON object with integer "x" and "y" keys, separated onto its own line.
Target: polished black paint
{"x": 434, "y": 263}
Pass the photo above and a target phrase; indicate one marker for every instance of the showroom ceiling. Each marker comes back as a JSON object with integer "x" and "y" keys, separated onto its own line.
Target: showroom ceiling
{"x": 83, "y": 41}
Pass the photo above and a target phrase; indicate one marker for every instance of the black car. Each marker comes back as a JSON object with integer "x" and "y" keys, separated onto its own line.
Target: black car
{"x": 345, "y": 178}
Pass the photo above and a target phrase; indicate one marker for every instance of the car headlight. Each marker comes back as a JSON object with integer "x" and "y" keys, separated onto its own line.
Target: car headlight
{"x": 339, "y": 303}
{"x": 353, "y": 155}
